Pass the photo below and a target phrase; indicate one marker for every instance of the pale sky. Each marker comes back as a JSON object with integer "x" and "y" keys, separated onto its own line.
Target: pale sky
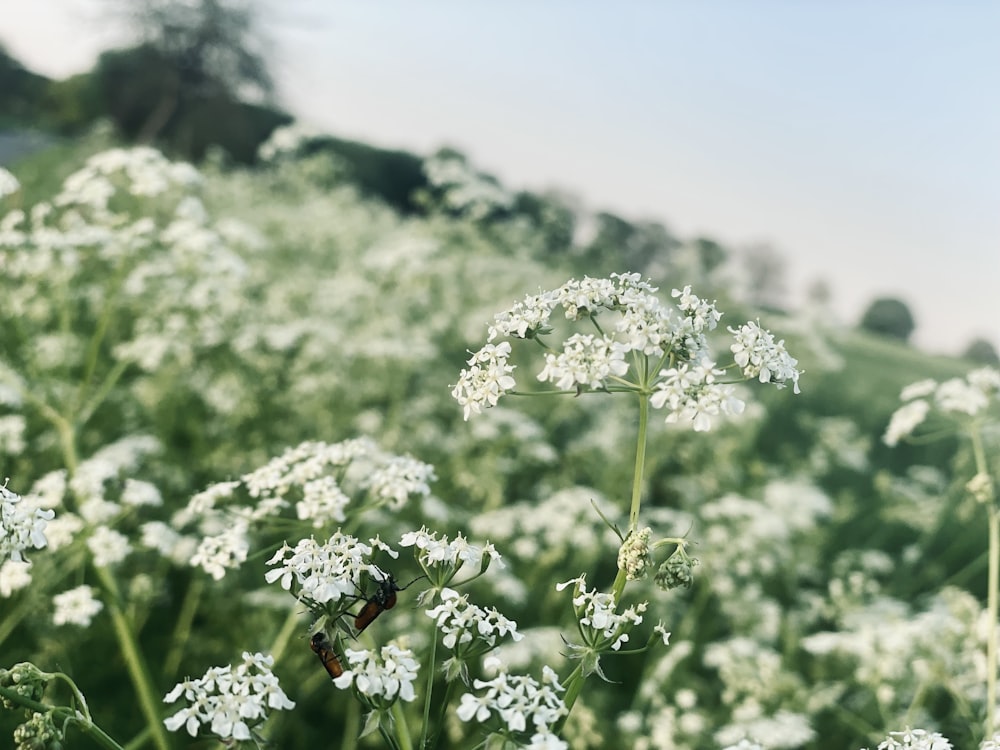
{"x": 861, "y": 139}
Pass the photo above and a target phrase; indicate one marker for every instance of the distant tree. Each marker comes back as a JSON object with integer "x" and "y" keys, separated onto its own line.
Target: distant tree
{"x": 20, "y": 90}
{"x": 981, "y": 352}
{"x": 819, "y": 293}
{"x": 765, "y": 271}
{"x": 889, "y": 316}
{"x": 197, "y": 76}
{"x": 710, "y": 253}
{"x": 621, "y": 245}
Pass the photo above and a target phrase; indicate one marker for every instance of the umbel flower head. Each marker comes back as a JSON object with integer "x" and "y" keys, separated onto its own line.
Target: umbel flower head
{"x": 637, "y": 344}
{"x": 957, "y": 399}
{"x": 22, "y": 526}
{"x": 520, "y": 703}
{"x": 230, "y": 702}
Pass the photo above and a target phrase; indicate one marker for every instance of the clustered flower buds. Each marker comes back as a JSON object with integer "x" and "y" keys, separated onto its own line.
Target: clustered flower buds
{"x": 38, "y": 733}
{"x": 633, "y": 555}
{"x": 676, "y": 571}
{"x": 25, "y": 679}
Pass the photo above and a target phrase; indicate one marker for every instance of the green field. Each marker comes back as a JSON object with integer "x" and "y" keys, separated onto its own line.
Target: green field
{"x": 166, "y": 329}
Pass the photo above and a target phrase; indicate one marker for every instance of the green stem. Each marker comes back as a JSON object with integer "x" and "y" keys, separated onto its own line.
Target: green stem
{"x": 428, "y": 691}
{"x": 640, "y": 465}
{"x": 574, "y": 686}
{"x": 992, "y": 588}
{"x": 136, "y": 665}
{"x": 284, "y": 635}
{"x": 61, "y": 714}
{"x": 182, "y": 628}
{"x": 991, "y": 606}
{"x": 402, "y": 729}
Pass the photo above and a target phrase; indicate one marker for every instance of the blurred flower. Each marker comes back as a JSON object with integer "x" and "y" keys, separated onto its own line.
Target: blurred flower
{"x": 955, "y": 398}
{"x": 8, "y": 183}
{"x": 914, "y": 739}
{"x": 108, "y": 546}
{"x": 221, "y": 552}
{"x": 76, "y": 607}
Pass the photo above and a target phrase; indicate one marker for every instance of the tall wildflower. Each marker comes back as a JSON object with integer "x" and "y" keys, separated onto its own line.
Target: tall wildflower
{"x": 970, "y": 408}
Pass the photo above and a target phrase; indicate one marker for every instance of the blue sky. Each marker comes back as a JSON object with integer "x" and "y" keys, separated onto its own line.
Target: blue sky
{"x": 860, "y": 139}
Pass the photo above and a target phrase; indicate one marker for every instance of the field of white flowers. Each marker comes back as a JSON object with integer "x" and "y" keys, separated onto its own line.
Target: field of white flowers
{"x": 287, "y": 468}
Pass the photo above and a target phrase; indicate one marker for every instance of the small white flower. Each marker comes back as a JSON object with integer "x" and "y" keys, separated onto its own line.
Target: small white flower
{"x": 76, "y": 607}
{"x": 905, "y": 420}
{"x": 108, "y": 546}
{"x": 958, "y": 395}
{"x": 915, "y": 739}
{"x": 137, "y": 493}
{"x": 320, "y": 573}
{"x": 22, "y": 525}
{"x": 229, "y": 702}
{"x": 222, "y": 552}
{"x": 518, "y": 700}
{"x": 760, "y": 356}
{"x": 14, "y": 576}
{"x": 8, "y": 183}
{"x": 467, "y": 628}
{"x": 386, "y": 675}
{"x": 585, "y": 360}
{"x": 487, "y": 379}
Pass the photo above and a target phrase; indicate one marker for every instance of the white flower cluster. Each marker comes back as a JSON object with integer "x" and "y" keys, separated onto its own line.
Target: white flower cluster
{"x": 601, "y": 625}
{"x": 464, "y": 189}
{"x": 327, "y": 572}
{"x": 224, "y": 551}
{"x": 520, "y": 702}
{"x": 487, "y": 379}
{"x": 310, "y": 466}
{"x": 383, "y": 676}
{"x": 229, "y": 702}
{"x": 691, "y": 394}
{"x": 915, "y": 739}
{"x": 585, "y": 360}
{"x": 8, "y": 183}
{"x": 453, "y": 554}
{"x": 761, "y": 357}
{"x": 462, "y": 623}
{"x": 76, "y": 607}
{"x": 689, "y": 388}
{"x": 955, "y": 398}
{"x": 145, "y": 170}
{"x": 22, "y": 526}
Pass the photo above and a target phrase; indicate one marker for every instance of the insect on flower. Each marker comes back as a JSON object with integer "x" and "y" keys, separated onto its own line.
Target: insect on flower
{"x": 384, "y": 598}
{"x": 322, "y": 647}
